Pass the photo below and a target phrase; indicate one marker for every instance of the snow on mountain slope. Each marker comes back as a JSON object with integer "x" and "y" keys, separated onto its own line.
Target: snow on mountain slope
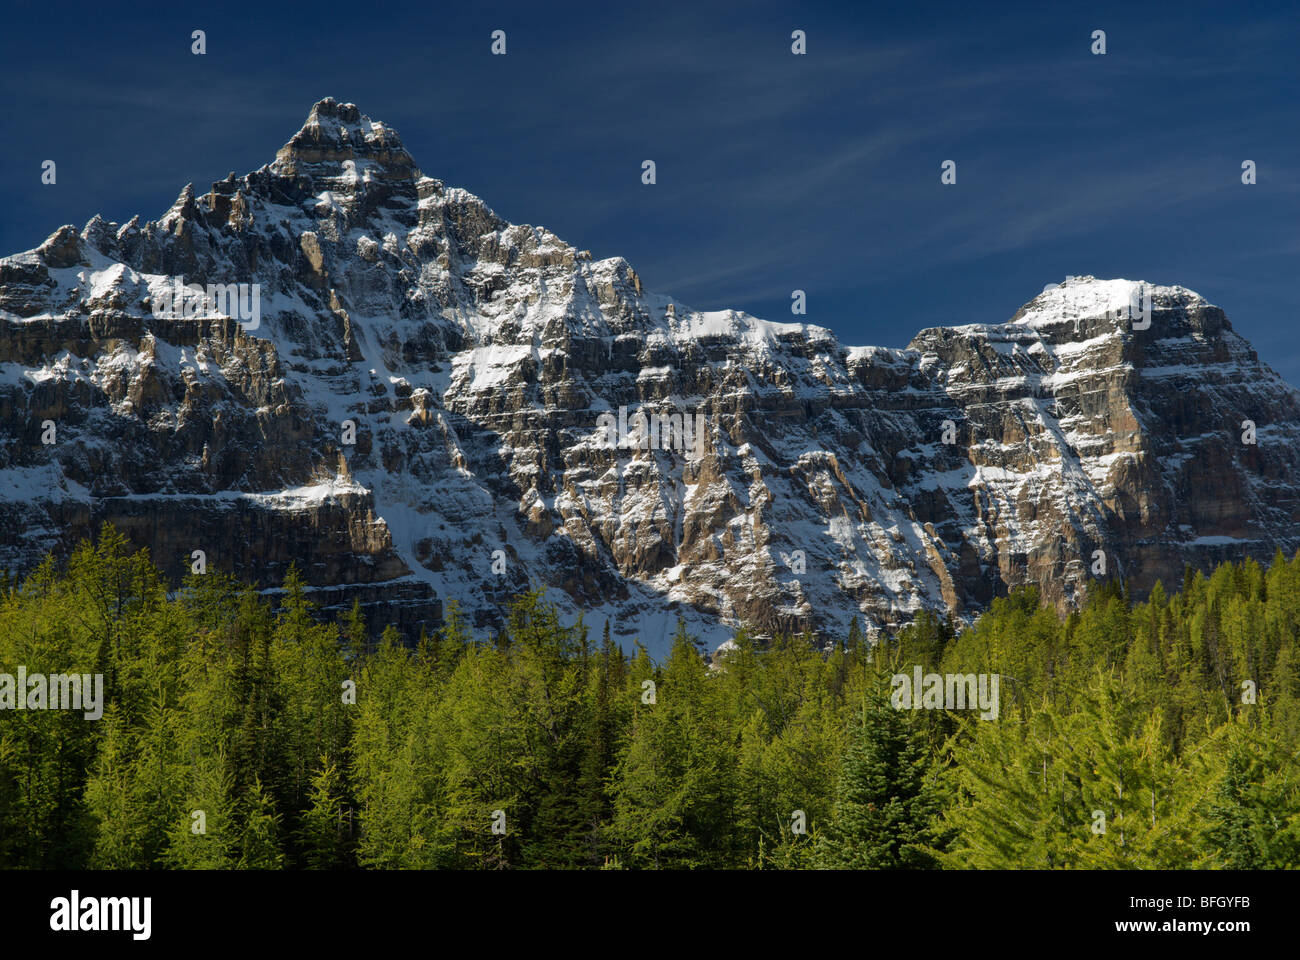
{"x": 474, "y": 359}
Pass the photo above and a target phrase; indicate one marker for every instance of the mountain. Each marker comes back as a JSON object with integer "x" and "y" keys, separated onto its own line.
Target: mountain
{"x": 385, "y": 381}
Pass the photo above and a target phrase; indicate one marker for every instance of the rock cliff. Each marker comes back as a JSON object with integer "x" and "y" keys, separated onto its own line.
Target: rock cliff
{"x": 339, "y": 360}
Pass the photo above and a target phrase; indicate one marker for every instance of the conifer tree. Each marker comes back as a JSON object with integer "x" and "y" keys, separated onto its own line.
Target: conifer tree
{"x": 1251, "y": 817}
{"x": 259, "y": 841}
{"x": 203, "y": 836}
{"x": 325, "y": 824}
{"x": 885, "y": 800}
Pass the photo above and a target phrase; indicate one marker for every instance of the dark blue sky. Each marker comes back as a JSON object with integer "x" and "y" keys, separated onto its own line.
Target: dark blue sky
{"x": 775, "y": 172}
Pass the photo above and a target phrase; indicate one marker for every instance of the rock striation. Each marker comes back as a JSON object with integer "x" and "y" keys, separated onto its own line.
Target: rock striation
{"x": 418, "y": 409}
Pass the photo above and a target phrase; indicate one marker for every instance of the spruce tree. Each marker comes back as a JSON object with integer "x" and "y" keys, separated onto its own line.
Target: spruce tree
{"x": 885, "y": 801}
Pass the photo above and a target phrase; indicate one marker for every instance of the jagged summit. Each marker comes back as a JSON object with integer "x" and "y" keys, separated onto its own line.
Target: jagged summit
{"x": 1086, "y": 299}
{"x": 416, "y": 415}
{"x": 336, "y": 133}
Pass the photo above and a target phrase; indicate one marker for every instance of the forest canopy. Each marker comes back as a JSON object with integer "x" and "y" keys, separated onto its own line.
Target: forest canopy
{"x": 240, "y": 730}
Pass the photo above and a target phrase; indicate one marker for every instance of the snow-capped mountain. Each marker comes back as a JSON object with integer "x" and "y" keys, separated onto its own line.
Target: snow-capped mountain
{"x": 416, "y": 401}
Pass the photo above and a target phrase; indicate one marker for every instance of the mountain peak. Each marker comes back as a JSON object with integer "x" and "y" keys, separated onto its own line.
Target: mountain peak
{"x": 1101, "y": 304}
{"x": 329, "y": 107}
{"x": 336, "y": 133}
{"x": 481, "y": 363}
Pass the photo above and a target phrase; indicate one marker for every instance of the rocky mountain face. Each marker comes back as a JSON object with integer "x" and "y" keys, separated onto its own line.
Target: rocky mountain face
{"x": 376, "y": 376}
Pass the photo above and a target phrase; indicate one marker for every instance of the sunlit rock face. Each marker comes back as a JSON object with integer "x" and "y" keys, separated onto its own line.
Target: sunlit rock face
{"x": 415, "y": 400}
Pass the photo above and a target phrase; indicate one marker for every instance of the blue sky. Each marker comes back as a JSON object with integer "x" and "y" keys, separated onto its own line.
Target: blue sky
{"x": 775, "y": 172}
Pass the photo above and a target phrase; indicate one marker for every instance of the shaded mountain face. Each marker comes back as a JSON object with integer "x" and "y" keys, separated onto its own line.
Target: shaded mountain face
{"x": 338, "y": 360}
